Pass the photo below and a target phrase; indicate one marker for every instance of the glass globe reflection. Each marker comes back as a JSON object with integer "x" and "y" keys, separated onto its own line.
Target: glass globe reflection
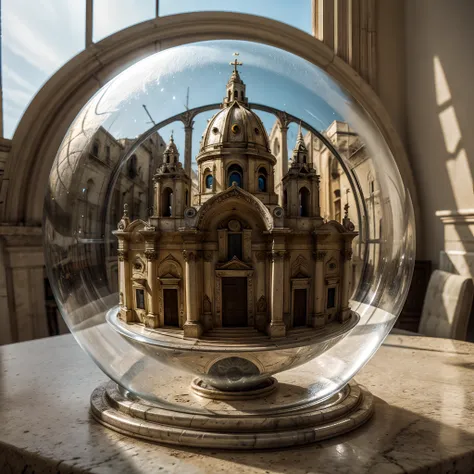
{"x": 257, "y": 224}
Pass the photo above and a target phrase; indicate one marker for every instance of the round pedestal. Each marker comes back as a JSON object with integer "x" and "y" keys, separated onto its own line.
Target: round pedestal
{"x": 264, "y": 422}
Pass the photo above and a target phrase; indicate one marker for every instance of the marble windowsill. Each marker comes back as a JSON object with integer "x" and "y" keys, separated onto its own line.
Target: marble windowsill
{"x": 424, "y": 419}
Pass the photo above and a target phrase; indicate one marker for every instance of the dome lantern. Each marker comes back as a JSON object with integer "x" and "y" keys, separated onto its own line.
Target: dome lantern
{"x": 235, "y": 90}
{"x": 171, "y": 153}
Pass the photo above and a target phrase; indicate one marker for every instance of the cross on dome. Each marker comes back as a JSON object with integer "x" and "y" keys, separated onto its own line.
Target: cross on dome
{"x": 236, "y": 63}
{"x": 235, "y": 86}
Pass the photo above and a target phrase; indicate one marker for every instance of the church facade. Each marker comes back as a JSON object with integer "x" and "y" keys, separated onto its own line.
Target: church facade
{"x": 235, "y": 254}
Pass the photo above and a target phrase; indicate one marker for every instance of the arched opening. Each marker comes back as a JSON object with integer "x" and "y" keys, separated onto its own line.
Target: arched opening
{"x": 334, "y": 168}
{"x": 304, "y": 201}
{"x": 304, "y": 158}
{"x": 95, "y": 148}
{"x": 209, "y": 181}
{"x": 236, "y": 95}
{"x": 276, "y": 147}
{"x": 167, "y": 202}
{"x": 235, "y": 175}
{"x": 285, "y": 200}
{"x": 186, "y": 198}
{"x": 132, "y": 167}
{"x": 262, "y": 180}
{"x": 234, "y": 245}
{"x": 228, "y": 95}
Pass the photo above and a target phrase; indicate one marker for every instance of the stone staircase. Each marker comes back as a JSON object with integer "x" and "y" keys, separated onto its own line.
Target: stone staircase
{"x": 246, "y": 335}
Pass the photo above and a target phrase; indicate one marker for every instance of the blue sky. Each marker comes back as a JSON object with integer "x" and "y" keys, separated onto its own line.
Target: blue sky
{"x": 273, "y": 77}
{"x": 40, "y": 36}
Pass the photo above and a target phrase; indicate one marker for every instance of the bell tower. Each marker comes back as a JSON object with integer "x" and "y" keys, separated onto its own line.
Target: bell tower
{"x": 172, "y": 186}
{"x": 301, "y": 184}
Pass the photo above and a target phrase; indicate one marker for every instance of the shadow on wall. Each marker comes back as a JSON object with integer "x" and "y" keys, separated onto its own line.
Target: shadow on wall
{"x": 440, "y": 95}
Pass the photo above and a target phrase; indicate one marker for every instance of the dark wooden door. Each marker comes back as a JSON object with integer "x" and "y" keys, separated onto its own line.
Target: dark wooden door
{"x": 299, "y": 308}
{"x": 234, "y": 302}
{"x": 170, "y": 304}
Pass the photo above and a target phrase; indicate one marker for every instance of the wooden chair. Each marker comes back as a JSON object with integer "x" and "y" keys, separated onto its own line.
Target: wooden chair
{"x": 446, "y": 307}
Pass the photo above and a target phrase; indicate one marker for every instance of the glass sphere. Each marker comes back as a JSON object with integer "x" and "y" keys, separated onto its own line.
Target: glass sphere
{"x": 160, "y": 114}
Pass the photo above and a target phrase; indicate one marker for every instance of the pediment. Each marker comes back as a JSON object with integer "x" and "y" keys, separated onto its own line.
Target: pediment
{"x": 235, "y": 264}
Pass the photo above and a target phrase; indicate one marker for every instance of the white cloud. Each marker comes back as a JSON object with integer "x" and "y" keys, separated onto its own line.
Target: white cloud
{"x": 17, "y": 80}
{"x": 22, "y": 41}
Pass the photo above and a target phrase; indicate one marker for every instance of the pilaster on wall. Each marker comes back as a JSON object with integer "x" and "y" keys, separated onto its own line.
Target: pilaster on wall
{"x": 349, "y": 28}
{"x": 5, "y": 147}
{"x": 457, "y": 255}
{"x": 22, "y": 299}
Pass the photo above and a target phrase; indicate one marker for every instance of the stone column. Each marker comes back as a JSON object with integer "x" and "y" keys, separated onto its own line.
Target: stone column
{"x": 6, "y": 324}
{"x": 192, "y": 326}
{"x": 345, "y": 312}
{"x": 277, "y": 326}
{"x": 287, "y": 291}
{"x": 284, "y": 149}
{"x": 152, "y": 318}
{"x": 125, "y": 288}
{"x": 158, "y": 198}
{"x": 318, "y": 318}
{"x": 222, "y": 244}
{"x": 208, "y": 289}
{"x": 247, "y": 245}
{"x": 188, "y": 141}
{"x": 261, "y": 281}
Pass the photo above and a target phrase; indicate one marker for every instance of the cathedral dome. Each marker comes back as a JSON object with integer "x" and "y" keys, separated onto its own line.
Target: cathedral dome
{"x": 235, "y": 126}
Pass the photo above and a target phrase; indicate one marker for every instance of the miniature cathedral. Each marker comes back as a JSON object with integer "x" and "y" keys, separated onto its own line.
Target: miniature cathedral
{"x": 235, "y": 255}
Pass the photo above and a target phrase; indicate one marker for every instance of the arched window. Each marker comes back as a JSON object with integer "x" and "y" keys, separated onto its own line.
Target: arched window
{"x": 333, "y": 166}
{"x": 228, "y": 95}
{"x": 167, "y": 202}
{"x": 371, "y": 182}
{"x": 304, "y": 158}
{"x": 276, "y": 147}
{"x": 186, "y": 198}
{"x": 132, "y": 167}
{"x": 304, "y": 199}
{"x": 285, "y": 200}
{"x": 95, "y": 148}
{"x": 234, "y": 240}
{"x": 262, "y": 180}
{"x": 209, "y": 180}
{"x": 235, "y": 175}
{"x": 236, "y": 95}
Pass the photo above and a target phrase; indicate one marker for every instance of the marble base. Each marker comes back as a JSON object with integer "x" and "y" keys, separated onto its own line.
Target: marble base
{"x": 228, "y": 428}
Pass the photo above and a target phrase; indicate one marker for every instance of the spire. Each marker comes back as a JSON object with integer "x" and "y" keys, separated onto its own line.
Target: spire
{"x": 171, "y": 154}
{"x": 235, "y": 86}
{"x": 300, "y": 152}
{"x": 299, "y": 138}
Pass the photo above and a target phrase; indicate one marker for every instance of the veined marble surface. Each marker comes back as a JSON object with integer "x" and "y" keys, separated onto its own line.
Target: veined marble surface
{"x": 423, "y": 422}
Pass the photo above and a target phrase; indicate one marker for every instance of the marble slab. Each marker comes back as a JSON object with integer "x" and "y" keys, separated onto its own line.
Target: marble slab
{"x": 423, "y": 422}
